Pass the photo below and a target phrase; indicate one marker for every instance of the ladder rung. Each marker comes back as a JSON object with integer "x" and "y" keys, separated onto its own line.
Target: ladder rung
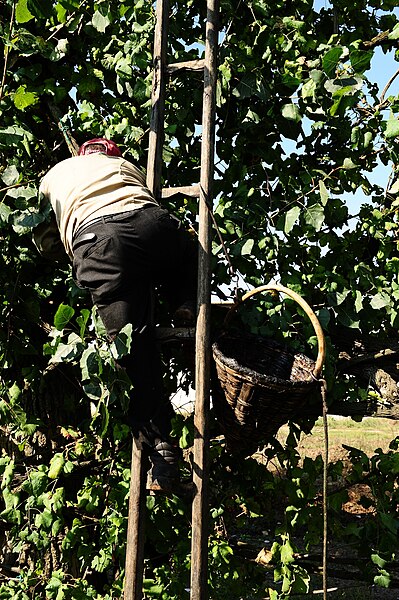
{"x": 189, "y": 190}
{"x": 170, "y": 334}
{"x": 189, "y": 65}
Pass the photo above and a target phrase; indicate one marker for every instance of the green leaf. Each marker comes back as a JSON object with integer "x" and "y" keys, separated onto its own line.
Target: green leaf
{"x": 308, "y": 89}
{"x": 349, "y": 164}
{"x": 324, "y": 317}
{"x": 93, "y": 390}
{"x": 331, "y": 60}
{"x": 60, "y": 50}
{"x": 5, "y": 213}
{"x": 390, "y": 522}
{"x": 22, "y": 99}
{"x": 392, "y": 127}
{"x": 10, "y": 175}
{"x": 44, "y": 519}
{"x": 380, "y": 300}
{"x": 323, "y": 192}
{"x": 8, "y": 474}
{"x": 291, "y": 218}
{"x": 377, "y": 560}
{"x": 394, "y": 34}
{"x": 100, "y": 22}
{"x": 314, "y": 216}
{"x": 394, "y": 189}
{"x": 337, "y": 298}
{"x": 82, "y": 321}
{"x": 22, "y": 13}
{"x": 68, "y": 352}
{"x": 55, "y": 584}
{"x": 56, "y": 527}
{"x": 22, "y": 194}
{"x": 27, "y": 220}
{"x": 105, "y": 419}
{"x": 89, "y": 363}
{"x": 14, "y": 136}
{"x": 14, "y": 392}
{"x": 56, "y": 465}
{"x": 38, "y": 481}
{"x": 99, "y": 326}
{"x": 41, "y": 9}
{"x": 11, "y": 499}
{"x": 358, "y": 301}
{"x": 360, "y": 60}
{"x": 150, "y": 587}
{"x": 383, "y": 580}
{"x": 63, "y": 315}
{"x": 343, "y": 86}
{"x": 247, "y": 247}
{"x": 287, "y": 553}
{"x": 291, "y": 112}
{"x": 186, "y": 438}
{"x": 122, "y": 343}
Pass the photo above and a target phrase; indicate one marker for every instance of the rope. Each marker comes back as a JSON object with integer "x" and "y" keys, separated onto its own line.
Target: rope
{"x": 73, "y": 146}
{"x": 323, "y": 385}
{"x": 65, "y": 131}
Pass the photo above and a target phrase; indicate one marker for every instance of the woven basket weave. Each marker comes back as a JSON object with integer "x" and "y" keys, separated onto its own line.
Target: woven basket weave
{"x": 261, "y": 384}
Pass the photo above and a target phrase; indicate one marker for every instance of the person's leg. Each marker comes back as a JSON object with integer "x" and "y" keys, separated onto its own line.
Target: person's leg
{"x": 117, "y": 270}
{"x": 150, "y": 409}
{"x": 172, "y": 255}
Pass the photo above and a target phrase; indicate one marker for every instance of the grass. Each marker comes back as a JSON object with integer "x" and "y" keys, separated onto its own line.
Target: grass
{"x": 366, "y": 435}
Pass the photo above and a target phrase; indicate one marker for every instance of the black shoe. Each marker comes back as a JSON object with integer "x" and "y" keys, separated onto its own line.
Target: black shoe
{"x": 164, "y": 473}
{"x": 185, "y": 315}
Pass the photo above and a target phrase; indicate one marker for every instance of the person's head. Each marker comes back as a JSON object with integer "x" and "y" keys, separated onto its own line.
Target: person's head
{"x": 99, "y": 145}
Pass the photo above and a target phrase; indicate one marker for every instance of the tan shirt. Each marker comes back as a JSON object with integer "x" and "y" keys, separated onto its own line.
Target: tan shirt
{"x": 83, "y": 188}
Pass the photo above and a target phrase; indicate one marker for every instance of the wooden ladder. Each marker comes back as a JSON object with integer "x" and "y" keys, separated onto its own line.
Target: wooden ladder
{"x": 134, "y": 568}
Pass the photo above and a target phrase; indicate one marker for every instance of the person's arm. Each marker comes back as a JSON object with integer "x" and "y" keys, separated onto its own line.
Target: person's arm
{"x": 46, "y": 238}
{"x": 46, "y": 235}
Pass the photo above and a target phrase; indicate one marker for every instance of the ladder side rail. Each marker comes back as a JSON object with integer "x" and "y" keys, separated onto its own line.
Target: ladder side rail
{"x": 200, "y": 509}
{"x": 134, "y": 562}
{"x": 156, "y": 136}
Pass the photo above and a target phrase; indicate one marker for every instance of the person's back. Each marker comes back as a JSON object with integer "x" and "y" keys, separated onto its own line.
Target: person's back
{"x": 84, "y": 188}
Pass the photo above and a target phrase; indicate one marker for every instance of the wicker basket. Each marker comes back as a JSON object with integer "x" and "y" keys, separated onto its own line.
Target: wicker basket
{"x": 261, "y": 384}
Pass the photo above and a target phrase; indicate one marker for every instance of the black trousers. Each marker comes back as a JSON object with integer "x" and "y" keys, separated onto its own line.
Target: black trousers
{"x": 122, "y": 260}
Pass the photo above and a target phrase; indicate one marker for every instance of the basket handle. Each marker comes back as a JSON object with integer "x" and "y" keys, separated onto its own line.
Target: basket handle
{"x": 303, "y": 304}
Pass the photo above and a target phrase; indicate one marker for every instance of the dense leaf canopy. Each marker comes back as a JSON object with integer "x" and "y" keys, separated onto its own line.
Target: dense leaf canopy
{"x": 301, "y": 128}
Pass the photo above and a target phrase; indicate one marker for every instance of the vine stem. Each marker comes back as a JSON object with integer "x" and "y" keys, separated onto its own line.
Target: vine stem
{"x": 325, "y": 519}
{"x": 7, "y": 50}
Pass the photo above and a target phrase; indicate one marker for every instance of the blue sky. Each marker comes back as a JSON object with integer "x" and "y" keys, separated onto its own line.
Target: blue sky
{"x": 383, "y": 67}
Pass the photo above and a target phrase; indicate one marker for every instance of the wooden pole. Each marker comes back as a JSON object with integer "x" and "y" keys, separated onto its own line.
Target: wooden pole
{"x": 200, "y": 516}
{"x": 134, "y": 564}
{"x": 155, "y": 143}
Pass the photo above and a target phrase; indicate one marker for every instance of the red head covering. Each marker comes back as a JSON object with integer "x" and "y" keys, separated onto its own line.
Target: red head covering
{"x": 110, "y": 148}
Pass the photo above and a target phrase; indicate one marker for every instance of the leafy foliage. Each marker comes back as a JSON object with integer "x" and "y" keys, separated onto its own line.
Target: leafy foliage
{"x": 300, "y": 130}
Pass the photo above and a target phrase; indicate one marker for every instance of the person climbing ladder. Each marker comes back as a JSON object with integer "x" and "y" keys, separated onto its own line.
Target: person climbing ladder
{"x": 124, "y": 247}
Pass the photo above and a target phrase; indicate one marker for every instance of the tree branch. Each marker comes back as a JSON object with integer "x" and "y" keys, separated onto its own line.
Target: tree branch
{"x": 388, "y": 85}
